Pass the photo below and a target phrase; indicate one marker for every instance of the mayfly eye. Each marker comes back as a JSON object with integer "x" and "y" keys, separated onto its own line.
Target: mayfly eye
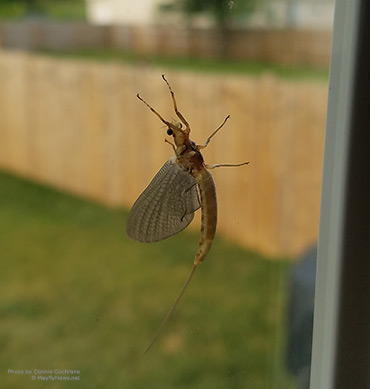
{"x": 180, "y": 125}
{"x": 169, "y": 131}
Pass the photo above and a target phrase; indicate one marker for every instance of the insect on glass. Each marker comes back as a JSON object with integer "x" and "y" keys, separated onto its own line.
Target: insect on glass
{"x": 181, "y": 186}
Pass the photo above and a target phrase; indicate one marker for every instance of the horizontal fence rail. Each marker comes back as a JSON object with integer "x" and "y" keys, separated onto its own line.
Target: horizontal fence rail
{"x": 79, "y": 127}
{"x": 281, "y": 46}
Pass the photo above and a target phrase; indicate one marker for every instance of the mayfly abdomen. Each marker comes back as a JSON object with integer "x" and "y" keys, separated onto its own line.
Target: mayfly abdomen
{"x": 209, "y": 202}
{"x": 207, "y": 190}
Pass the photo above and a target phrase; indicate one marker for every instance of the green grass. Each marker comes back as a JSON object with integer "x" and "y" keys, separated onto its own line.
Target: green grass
{"x": 58, "y": 10}
{"x": 196, "y": 64}
{"x": 76, "y": 293}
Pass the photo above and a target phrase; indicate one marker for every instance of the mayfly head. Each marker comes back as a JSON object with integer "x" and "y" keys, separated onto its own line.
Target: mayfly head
{"x": 176, "y": 130}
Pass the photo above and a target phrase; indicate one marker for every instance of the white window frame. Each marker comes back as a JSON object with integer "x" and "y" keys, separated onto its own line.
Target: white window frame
{"x": 341, "y": 336}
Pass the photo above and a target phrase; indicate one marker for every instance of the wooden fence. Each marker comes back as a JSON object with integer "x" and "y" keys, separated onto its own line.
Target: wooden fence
{"x": 281, "y": 46}
{"x": 79, "y": 127}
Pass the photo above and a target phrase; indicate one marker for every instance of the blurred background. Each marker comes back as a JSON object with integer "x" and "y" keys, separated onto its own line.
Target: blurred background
{"x": 77, "y": 148}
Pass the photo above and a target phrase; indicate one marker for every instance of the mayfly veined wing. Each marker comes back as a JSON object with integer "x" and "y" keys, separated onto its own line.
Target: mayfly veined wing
{"x": 166, "y": 206}
{"x": 181, "y": 186}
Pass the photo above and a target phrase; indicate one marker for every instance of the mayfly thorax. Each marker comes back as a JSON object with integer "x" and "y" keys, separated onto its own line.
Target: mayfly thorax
{"x": 181, "y": 186}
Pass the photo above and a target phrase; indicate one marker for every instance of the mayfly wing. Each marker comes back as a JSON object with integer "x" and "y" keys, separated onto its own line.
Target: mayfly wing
{"x": 166, "y": 206}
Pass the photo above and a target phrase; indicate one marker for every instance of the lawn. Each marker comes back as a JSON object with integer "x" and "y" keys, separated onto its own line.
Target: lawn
{"x": 77, "y": 294}
{"x": 57, "y": 10}
{"x": 219, "y": 66}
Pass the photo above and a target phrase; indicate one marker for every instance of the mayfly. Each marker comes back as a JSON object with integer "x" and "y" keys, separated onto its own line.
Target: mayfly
{"x": 181, "y": 186}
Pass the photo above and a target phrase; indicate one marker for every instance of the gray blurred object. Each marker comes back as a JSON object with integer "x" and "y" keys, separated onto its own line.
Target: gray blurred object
{"x": 301, "y": 296}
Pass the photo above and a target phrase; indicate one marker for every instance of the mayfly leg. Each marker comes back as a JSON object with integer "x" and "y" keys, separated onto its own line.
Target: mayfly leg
{"x": 214, "y": 133}
{"x": 226, "y": 165}
{"x": 178, "y": 113}
{"x": 154, "y": 111}
{"x": 208, "y": 140}
{"x": 172, "y": 145}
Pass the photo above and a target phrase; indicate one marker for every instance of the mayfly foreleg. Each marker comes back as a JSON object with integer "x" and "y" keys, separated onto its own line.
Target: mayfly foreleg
{"x": 226, "y": 165}
{"x": 170, "y": 143}
{"x": 154, "y": 111}
{"x": 214, "y": 133}
{"x": 178, "y": 113}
